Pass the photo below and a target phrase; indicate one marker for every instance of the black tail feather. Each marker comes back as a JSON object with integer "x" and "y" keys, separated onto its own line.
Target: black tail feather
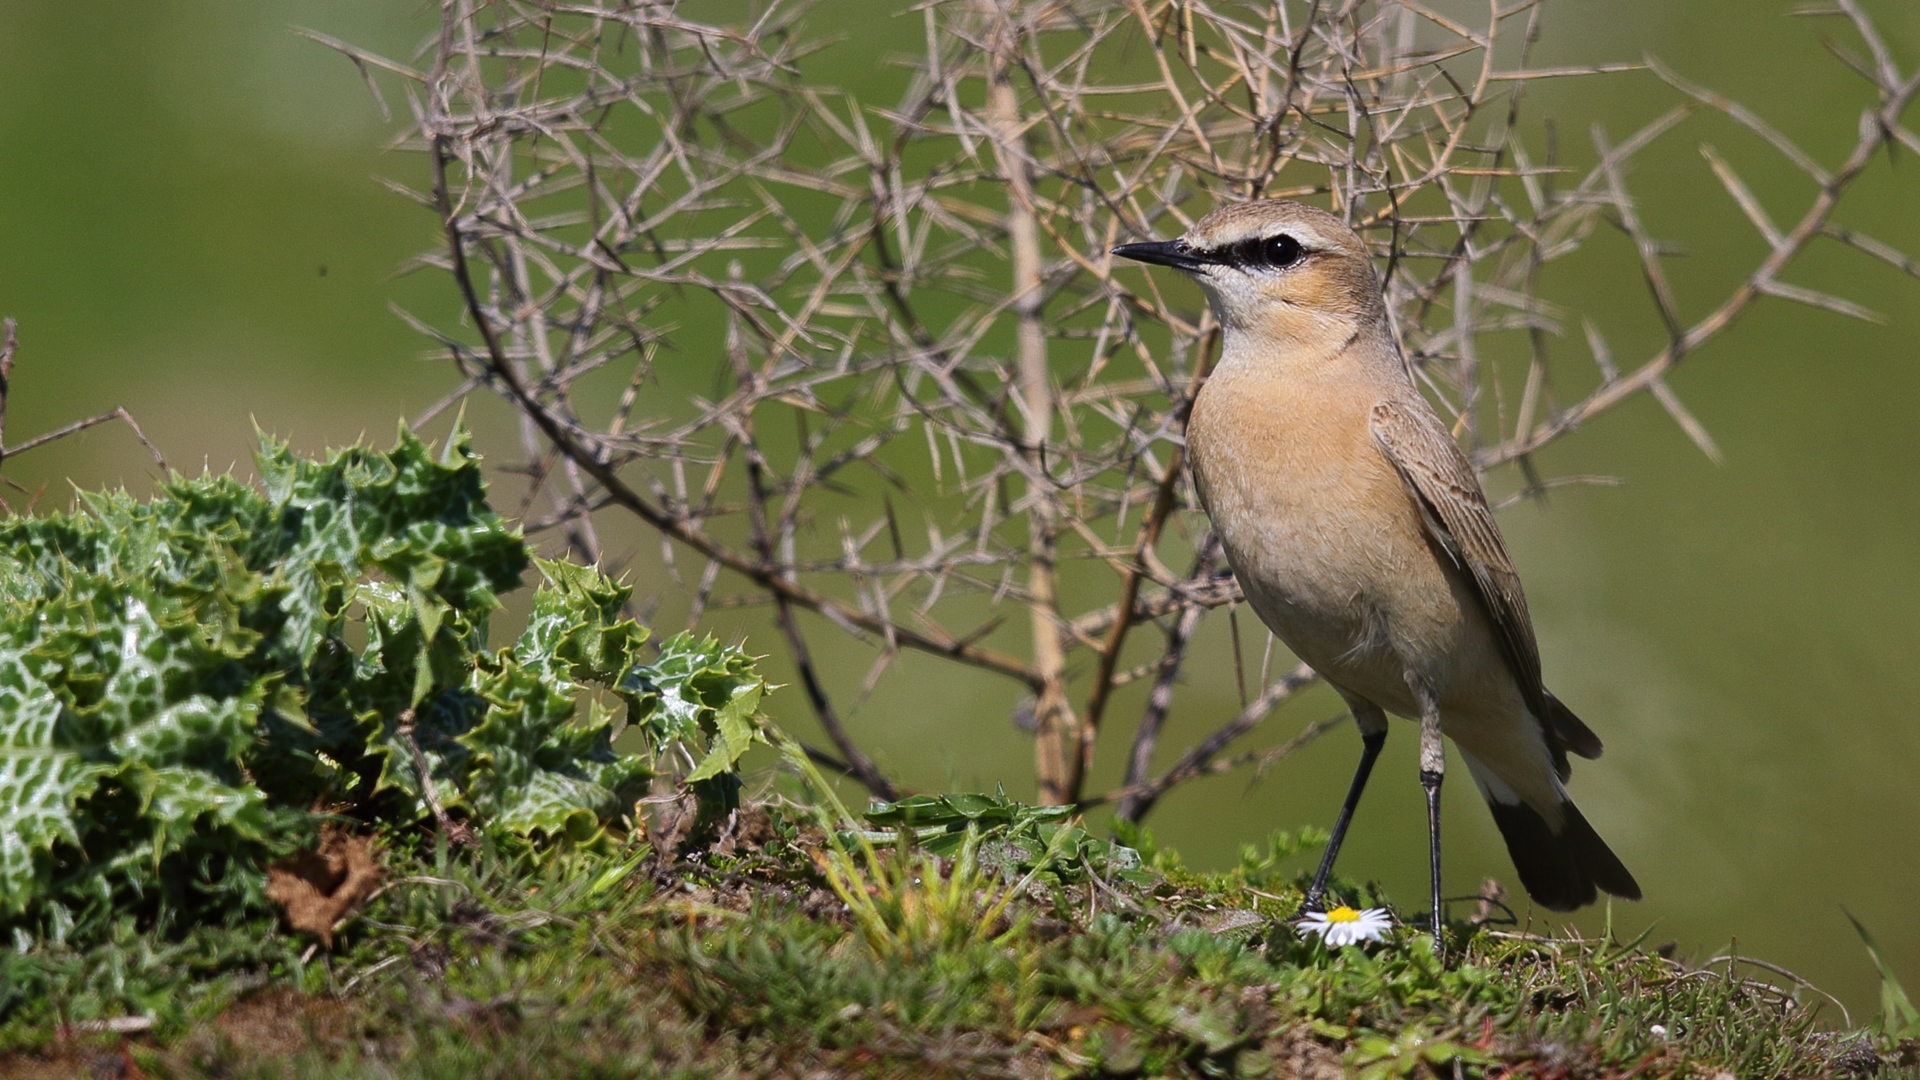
{"x": 1570, "y": 731}
{"x": 1565, "y": 870}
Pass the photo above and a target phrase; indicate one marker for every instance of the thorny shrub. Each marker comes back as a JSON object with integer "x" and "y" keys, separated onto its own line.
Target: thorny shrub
{"x": 938, "y": 420}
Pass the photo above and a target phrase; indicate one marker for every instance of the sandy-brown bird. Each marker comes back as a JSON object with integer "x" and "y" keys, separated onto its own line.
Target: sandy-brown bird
{"x": 1359, "y": 533}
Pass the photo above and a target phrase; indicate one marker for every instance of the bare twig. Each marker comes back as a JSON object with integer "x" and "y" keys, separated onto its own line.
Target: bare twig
{"x": 458, "y": 833}
{"x": 855, "y": 764}
{"x": 9, "y": 345}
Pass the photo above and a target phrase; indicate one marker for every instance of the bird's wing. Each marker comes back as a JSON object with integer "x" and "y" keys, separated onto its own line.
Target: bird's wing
{"x": 1448, "y": 493}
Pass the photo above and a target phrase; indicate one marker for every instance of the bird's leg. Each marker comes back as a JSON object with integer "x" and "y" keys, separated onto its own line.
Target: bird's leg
{"x": 1433, "y": 770}
{"x": 1373, "y": 736}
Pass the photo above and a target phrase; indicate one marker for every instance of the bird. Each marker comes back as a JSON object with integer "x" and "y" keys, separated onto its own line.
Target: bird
{"x": 1358, "y": 532}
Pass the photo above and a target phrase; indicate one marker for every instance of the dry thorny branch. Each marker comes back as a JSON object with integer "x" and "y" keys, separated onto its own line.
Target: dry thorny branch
{"x": 933, "y": 402}
{"x": 9, "y": 346}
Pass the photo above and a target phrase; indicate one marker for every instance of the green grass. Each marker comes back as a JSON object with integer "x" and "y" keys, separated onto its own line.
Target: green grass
{"x": 799, "y": 951}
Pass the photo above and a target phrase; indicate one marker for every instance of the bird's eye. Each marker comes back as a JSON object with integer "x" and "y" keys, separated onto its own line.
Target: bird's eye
{"x": 1280, "y": 251}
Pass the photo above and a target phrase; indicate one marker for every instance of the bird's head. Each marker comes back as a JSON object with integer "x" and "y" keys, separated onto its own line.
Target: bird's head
{"x": 1280, "y": 270}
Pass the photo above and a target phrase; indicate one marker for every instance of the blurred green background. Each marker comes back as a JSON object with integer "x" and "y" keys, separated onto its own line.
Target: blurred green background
{"x": 191, "y": 226}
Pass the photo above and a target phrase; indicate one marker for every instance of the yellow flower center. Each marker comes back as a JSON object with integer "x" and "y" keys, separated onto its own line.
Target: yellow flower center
{"x": 1343, "y": 913}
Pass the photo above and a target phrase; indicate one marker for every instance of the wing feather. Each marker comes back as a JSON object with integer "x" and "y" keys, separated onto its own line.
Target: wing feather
{"x": 1443, "y": 484}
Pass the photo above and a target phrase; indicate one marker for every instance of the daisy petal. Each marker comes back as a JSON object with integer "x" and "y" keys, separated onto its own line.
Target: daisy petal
{"x": 1346, "y": 926}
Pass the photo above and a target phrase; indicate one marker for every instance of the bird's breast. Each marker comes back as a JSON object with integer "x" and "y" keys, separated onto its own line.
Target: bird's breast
{"x": 1327, "y": 543}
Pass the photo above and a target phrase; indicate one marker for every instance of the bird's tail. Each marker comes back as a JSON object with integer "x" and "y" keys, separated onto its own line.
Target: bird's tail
{"x": 1562, "y": 868}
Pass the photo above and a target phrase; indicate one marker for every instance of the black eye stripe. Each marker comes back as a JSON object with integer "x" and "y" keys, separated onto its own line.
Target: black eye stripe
{"x": 1275, "y": 252}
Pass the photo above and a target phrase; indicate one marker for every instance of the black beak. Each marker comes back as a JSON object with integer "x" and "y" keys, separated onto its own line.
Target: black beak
{"x": 1174, "y": 253}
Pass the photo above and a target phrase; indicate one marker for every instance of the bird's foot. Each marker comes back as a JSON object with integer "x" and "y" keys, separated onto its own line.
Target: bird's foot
{"x": 1438, "y": 928}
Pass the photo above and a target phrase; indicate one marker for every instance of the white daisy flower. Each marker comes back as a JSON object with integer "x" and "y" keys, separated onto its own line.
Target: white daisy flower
{"x": 1346, "y": 926}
